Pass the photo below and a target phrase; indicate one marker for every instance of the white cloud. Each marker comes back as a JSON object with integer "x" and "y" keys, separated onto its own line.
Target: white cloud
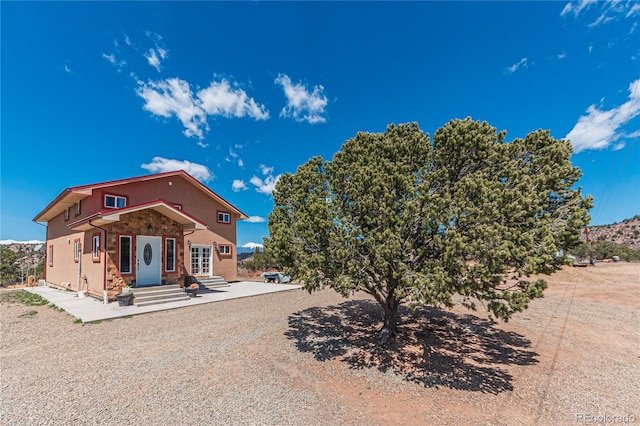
{"x": 153, "y": 59}
{"x": 256, "y": 219}
{"x": 618, "y": 146}
{"x": 174, "y": 96}
{"x": 238, "y": 185}
{"x": 160, "y": 165}
{"x": 302, "y": 104}
{"x": 111, "y": 58}
{"x": 607, "y": 11}
{"x": 66, "y": 68}
{"x": 252, "y": 246}
{"x": 522, "y": 63}
{"x": 599, "y": 129}
{"x": 562, "y": 55}
{"x": 240, "y": 162}
{"x": 265, "y": 186}
{"x": 156, "y": 54}
{"x": 634, "y": 10}
{"x": 265, "y": 170}
{"x": 576, "y": 7}
{"x": 222, "y": 99}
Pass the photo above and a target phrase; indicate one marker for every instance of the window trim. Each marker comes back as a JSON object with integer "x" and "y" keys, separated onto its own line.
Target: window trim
{"x": 119, "y": 250}
{"x": 226, "y": 215}
{"x": 78, "y": 208}
{"x": 95, "y": 248}
{"x": 226, "y": 252}
{"x": 76, "y": 250}
{"x": 50, "y": 255}
{"x": 115, "y": 201}
{"x": 166, "y": 256}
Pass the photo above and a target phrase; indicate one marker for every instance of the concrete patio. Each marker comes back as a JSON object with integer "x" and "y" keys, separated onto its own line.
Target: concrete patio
{"x": 88, "y": 309}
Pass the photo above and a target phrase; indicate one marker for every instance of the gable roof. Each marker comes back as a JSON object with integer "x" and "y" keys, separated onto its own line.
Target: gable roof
{"x": 161, "y": 206}
{"x": 72, "y": 195}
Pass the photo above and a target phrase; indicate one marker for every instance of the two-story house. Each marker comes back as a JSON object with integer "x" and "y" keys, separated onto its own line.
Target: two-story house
{"x": 143, "y": 231}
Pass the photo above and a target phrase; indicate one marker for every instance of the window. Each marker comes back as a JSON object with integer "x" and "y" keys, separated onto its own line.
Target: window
{"x": 67, "y": 213}
{"x": 178, "y": 206}
{"x": 114, "y": 201}
{"x": 50, "y": 256}
{"x": 224, "y": 249}
{"x": 76, "y": 250}
{"x": 170, "y": 254}
{"x": 77, "y": 208}
{"x": 95, "y": 254}
{"x": 124, "y": 254}
{"x": 224, "y": 217}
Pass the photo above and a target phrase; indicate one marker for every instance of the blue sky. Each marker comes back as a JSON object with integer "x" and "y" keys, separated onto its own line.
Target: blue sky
{"x": 240, "y": 93}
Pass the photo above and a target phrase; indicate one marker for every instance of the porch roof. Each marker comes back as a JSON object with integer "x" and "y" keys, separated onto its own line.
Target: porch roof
{"x": 163, "y": 207}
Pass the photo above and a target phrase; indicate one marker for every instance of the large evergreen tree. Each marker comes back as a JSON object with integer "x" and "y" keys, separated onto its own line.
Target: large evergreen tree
{"x": 410, "y": 220}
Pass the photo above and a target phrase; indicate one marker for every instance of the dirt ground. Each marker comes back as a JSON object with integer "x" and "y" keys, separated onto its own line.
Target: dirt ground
{"x": 573, "y": 357}
{"x": 292, "y": 358}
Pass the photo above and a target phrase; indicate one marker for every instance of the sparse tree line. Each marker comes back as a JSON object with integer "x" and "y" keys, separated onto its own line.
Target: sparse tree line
{"x": 259, "y": 261}
{"x": 602, "y": 249}
{"x": 16, "y": 266}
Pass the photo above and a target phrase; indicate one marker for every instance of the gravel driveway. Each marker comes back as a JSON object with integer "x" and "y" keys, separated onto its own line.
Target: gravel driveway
{"x": 300, "y": 359}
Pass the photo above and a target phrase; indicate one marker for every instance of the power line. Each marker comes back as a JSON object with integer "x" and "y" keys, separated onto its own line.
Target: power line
{"x": 624, "y": 163}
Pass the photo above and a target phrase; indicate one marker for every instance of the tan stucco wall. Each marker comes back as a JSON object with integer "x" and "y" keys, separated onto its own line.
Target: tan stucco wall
{"x": 65, "y": 268}
{"x": 226, "y": 266}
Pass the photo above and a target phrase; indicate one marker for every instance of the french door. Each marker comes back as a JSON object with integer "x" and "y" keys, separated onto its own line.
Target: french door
{"x": 201, "y": 262}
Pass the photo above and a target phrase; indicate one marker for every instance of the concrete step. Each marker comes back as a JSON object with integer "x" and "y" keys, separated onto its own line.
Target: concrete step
{"x": 147, "y": 289}
{"x": 212, "y": 282}
{"x": 146, "y": 296}
{"x": 165, "y": 300}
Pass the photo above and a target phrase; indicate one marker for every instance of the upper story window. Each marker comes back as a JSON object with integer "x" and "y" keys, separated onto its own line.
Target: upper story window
{"x": 77, "y": 208}
{"x": 67, "y": 213}
{"x": 224, "y": 217}
{"x": 114, "y": 201}
{"x": 224, "y": 249}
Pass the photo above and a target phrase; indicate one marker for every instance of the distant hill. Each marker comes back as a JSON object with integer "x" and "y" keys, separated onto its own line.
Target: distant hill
{"x": 244, "y": 256}
{"x": 626, "y": 233}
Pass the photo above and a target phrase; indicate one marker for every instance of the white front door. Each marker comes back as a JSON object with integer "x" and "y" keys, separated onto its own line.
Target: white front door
{"x": 148, "y": 260}
{"x": 201, "y": 260}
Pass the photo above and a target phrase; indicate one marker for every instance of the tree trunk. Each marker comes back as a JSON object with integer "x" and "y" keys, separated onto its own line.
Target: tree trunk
{"x": 390, "y": 324}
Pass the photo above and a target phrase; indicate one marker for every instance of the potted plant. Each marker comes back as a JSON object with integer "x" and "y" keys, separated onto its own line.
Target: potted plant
{"x": 192, "y": 290}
